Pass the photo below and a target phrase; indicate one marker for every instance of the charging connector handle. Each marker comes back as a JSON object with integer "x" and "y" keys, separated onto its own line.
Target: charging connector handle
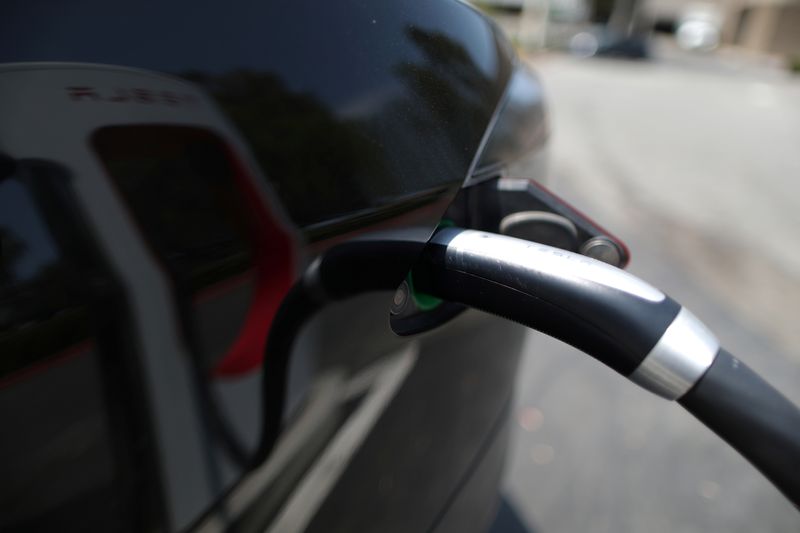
{"x": 606, "y": 312}
{"x": 626, "y": 324}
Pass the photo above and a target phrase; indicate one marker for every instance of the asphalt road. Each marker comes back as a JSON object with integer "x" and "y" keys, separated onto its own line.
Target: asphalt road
{"x": 695, "y": 163}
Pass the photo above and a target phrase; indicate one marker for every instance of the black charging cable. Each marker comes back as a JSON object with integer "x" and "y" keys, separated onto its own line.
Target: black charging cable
{"x": 606, "y": 312}
{"x": 628, "y": 325}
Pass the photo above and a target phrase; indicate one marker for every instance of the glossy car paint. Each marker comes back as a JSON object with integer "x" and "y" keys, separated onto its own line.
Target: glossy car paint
{"x": 342, "y": 118}
{"x": 356, "y": 103}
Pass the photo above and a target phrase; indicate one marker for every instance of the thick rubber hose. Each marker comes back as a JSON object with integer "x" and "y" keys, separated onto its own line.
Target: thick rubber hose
{"x": 753, "y": 417}
{"x": 374, "y": 262}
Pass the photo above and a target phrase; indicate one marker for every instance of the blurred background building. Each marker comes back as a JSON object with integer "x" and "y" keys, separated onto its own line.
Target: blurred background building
{"x": 767, "y": 28}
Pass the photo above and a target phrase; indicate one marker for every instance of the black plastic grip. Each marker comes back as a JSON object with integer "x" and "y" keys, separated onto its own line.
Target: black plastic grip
{"x": 567, "y": 296}
{"x": 753, "y": 417}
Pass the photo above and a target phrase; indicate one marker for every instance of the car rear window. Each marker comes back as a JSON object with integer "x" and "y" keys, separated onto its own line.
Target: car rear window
{"x": 206, "y": 222}
{"x": 180, "y": 188}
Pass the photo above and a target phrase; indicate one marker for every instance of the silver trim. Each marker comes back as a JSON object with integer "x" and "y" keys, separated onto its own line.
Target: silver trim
{"x": 532, "y": 217}
{"x": 603, "y": 249}
{"x": 491, "y": 254}
{"x": 679, "y": 359}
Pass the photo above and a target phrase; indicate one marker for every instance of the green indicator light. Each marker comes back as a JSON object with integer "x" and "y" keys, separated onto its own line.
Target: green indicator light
{"x": 425, "y": 302}
{"x": 446, "y": 223}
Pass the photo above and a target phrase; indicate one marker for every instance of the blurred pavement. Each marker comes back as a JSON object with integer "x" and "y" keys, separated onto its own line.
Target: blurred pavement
{"x": 694, "y": 161}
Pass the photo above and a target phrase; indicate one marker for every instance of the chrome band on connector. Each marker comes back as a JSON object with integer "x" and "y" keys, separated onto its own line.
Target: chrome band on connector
{"x": 679, "y": 359}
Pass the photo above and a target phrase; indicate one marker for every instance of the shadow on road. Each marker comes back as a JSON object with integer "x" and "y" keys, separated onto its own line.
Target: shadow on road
{"x": 508, "y": 520}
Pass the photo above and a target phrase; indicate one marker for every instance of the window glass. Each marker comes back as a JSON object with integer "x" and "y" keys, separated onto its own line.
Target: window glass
{"x": 60, "y": 468}
{"x": 199, "y": 216}
{"x": 39, "y": 316}
{"x": 180, "y": 187}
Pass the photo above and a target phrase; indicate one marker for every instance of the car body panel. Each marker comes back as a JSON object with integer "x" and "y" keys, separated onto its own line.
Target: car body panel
{"x": 361, "y": 118}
